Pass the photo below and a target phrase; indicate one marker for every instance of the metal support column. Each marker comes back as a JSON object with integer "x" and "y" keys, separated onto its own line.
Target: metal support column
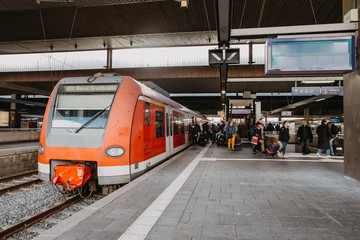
{"x": 14, "y": 115}
{"x": 109, "y": 58}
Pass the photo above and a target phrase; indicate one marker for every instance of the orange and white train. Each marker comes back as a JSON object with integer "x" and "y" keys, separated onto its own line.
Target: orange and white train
{"x": 114, "y": 126}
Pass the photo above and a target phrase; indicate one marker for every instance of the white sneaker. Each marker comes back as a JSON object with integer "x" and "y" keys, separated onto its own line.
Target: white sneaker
{"x": 318, "y": 155}
{"x": 285, "y": 156}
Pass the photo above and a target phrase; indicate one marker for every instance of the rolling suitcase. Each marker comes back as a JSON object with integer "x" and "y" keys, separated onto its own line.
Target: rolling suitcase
{"x": 272, "y": 149}
{"x": 237, "y": 145}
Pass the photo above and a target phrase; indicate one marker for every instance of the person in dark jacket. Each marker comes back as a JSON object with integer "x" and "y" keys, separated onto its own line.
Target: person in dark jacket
{"x": 324, "y": 136}
{"x": 277, "y": 127}
{"x": 205, "y": 128}
{"x": 305, "y": 136}
{"x": 270, "y": 127}
{"x": 334, "y": 131}
{"x": 284, "y": 137}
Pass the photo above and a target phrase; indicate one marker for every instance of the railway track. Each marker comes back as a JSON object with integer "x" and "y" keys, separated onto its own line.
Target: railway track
{"x": 7, "y": 179}
{"x": 18, "y": 186}
{"x": 28, "y": 222}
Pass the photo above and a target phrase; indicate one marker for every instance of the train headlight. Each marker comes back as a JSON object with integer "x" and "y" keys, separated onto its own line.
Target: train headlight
{"x": 41, "y": 149}
{"x": 114, "y": 151}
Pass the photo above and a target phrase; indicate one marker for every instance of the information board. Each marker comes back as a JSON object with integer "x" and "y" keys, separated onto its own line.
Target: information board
{"x": 310, "y": 55}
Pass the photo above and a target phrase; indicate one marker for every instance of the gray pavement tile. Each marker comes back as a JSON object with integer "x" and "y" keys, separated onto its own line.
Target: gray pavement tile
{"x": 188, "y": 230}
{"x": 162, "y": 230}
{"x": 296, "y": 222}
{"x": 176, "y": 207}
{"x": 264, "y": 221}
{"x": 103, "y": 235}
{"x": 122, "y": 213}
{"x": 326, "y": 223}
{"x": 321, "y": 234}
{"x": 172, "y": 213}
{"x": 220, "y": 195}
{"x": 168, "y": 221}
{"x": 210, "y": 238}
{"x": 119, "y": 225}
{"x": 283, "y": 233}
{"x": 208, "y": 201}
{"x": 204, "y": 218}
{"x": 76, "y": 234}
{"x": 94, "y": 223}
{"x": 196, "y": 208}
{"x": 218, "y": 231}
{"x": 185, "y": 218}
{"x": 156, "y": 237}
{"x": 246, "y": 210}
{"x": 277, "y": 211}
{"x": 232, "y": 202}
{"x": 241, "y": 220}
{"x": 219, "y": 209}
{"x": 252, "y": 233}
{"x": 261, "y": 203}
{"x": 305, "y": 212}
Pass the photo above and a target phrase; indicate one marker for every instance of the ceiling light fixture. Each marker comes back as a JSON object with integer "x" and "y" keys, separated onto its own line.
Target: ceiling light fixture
{"x": 318, "y": 82}
{"x": 321, "y": 99}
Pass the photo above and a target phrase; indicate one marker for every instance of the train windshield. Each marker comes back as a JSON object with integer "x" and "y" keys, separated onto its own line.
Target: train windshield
{"x": 77, "y": 104}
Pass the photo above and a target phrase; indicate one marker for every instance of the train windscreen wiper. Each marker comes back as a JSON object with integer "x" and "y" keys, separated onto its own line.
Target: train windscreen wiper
{"x": 91, "y": 119}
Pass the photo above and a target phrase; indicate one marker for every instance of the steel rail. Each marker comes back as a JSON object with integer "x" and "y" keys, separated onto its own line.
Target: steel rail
{"x": 7, "y": 179}
{"x": 18, "y": 186}
{"x": 26, "y": 223}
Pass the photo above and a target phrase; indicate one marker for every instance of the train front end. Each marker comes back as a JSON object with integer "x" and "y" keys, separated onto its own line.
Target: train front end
{"x": 85, "y": 137}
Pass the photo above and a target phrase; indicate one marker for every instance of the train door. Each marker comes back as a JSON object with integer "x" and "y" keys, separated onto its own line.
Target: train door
{"x": 186, "y": 122}
{"x": 169, "y": 130}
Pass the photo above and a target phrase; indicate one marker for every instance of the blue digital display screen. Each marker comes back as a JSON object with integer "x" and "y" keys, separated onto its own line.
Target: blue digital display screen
{"x": 310, "y": 55}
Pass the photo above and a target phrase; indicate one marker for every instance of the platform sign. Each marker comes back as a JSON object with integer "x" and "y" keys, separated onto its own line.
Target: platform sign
{"x": 305, "y": 91}
{"x": 229, "y": 56}
{"x": 336, "y": 91}
{"x": 241, "y": 111}
{"x": 310, "y": 55}
{"x": 286, "y": 113}
{"x": 317, "y": 91}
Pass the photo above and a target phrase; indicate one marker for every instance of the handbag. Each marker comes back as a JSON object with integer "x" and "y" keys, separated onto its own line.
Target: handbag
{"x": 254, "y": 140}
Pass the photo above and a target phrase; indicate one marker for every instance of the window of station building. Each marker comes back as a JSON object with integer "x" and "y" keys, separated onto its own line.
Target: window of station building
{"x": 147, "y": 114}
{"x": 159, "y": 124}
{"x": 182, "y": 127}
{"x": 176, "y": 125}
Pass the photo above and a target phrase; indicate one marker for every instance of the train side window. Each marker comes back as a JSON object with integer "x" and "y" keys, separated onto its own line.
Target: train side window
{"x": 167, "y": 124}
{"x": 159, "y": 124}
{"x": 176, "y": 125}
{"x": 182, "y": 127}
{"x": 171, "y": 126}
{"x": 147, "y": 114}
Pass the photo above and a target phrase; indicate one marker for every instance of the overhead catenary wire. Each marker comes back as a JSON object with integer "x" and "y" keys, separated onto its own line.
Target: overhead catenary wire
{"x": 312, "y": 8}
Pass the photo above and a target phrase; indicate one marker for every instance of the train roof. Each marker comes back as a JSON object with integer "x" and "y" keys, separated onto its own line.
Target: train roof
{"x": 148, "y": 92}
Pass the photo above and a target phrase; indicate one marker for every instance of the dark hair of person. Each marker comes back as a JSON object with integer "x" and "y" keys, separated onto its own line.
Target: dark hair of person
{"x": 323, "y": 121}
{"x": 285, "y": 122}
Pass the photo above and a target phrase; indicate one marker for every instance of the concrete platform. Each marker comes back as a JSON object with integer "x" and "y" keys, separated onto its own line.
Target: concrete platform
{"x": 14, "y": 147}
{"x": 213, "y": 193}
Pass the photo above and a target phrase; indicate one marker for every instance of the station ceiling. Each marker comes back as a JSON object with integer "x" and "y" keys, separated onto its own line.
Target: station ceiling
{"x": 59, "y": 25}
{"x": 123, "y": 23}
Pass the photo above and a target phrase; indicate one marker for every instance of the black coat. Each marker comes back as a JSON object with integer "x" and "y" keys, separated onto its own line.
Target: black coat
{"x": 324, "y": 136}
{"x": 284, "y": 135}
{"x": 300, "y": 132}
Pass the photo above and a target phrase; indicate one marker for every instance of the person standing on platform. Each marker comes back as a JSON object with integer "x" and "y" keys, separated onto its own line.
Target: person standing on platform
{"x": 270, "y": 127}
{"x": 324, "y": 137}
{"x": 205, "y": 128}
{"x": 259, "y": 132}
{"x": 334, "y": 132}
{"x": 305, "y": 136}
{"x": 231, "y": 134}
{"x": 284, "y": 137}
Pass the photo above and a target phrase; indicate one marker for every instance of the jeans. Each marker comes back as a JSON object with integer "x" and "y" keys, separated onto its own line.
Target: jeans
{"x": 305, "y": 146}
{"x": 283, "y": 150}
{"x": 327, "y": 152}
{"x": 331, "y": 147}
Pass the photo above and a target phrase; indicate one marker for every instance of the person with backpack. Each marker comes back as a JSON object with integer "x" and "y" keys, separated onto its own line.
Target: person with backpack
{"x": 231, "y": 134}
{"x": 284, "y": 137}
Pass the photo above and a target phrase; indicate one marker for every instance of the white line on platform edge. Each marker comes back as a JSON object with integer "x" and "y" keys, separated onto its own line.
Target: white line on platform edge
{"x": 141, "y": 227}
{"x": 325, "y": 160}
